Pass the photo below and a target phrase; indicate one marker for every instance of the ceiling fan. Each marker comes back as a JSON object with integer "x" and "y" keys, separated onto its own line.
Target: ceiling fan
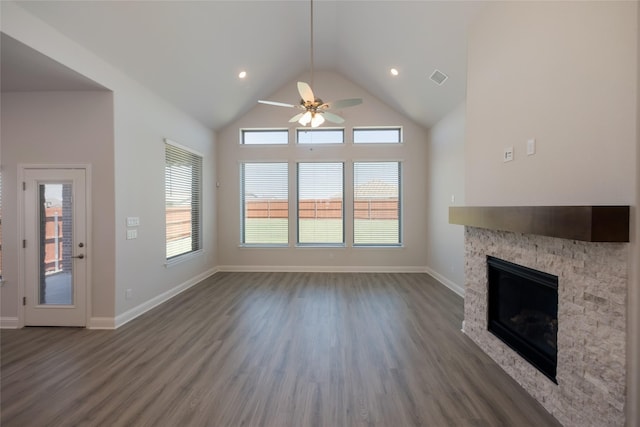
{"x": 314, "y": 109}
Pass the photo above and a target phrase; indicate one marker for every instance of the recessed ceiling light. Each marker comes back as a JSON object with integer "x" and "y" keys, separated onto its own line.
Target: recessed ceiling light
{"x": 394, "y": 72}
{"x": 242, "y": 74}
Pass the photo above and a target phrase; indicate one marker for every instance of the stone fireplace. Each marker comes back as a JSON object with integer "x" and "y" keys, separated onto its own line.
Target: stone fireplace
{"x": 591, "y": 319}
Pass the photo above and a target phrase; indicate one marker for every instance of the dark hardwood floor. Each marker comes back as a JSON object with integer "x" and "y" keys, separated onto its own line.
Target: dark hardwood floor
{"x": 269, "y": 349}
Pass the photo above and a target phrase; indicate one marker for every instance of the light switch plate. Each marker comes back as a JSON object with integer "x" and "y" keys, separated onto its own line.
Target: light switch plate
{"x": 132, "y": 234}
{"x": 133, "y": 221}
{"x": 531, "y": 147}
{"x": 508, "y": 154}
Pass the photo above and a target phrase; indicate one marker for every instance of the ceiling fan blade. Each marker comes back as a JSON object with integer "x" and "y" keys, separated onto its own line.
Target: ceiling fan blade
{"x": 343, "y": 103}
{"x": 277, "y": 104}
{"x": 333, "y": 117}
{"x": 305, "y": 92}
{"x": 296, "y": 118}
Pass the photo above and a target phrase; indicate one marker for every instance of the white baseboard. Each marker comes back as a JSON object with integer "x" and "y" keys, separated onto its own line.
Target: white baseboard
{"x": 101, "y": 323}
{"x": 446, "y": 282}
{"x": 320, "y": 269}
{"x": 131, "y": 314}
{"x": 9, "y": 323}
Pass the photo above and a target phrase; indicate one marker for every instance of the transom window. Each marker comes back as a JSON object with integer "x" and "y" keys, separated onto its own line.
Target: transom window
{"x": 320, "y": 136}
{"x": 264, "y": 137}
{"x": 377, "y": 135}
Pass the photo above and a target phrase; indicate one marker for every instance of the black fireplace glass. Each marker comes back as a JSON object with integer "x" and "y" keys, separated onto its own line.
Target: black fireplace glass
{"x": 523, "y": 312}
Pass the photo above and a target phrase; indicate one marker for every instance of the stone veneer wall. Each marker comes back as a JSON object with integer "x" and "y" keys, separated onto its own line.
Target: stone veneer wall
{"x": 592, "y": 292}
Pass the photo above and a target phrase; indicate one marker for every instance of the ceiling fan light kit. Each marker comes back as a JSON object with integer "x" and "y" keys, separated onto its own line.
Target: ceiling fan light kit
{"x": 315, "y": 110}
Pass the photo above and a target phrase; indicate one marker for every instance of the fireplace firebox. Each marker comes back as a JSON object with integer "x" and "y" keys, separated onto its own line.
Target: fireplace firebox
{"x": 523, "y": 312}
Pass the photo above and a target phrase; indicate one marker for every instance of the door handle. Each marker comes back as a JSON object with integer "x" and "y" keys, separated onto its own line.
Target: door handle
{"x": 81, "y": 256}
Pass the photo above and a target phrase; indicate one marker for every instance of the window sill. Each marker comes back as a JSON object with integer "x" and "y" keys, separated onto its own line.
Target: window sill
{"x": 182, "y": 258}
{"x": 321, "y": 245}
{"x": 265, "y": 246}
{"x": 378, "y": 246}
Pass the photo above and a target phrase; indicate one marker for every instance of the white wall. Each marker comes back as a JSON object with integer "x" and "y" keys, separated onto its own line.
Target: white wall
{"x": 445, "y": 165}
{"x": 140, "y": 122}
{"x": 565, "y": 73}
{"x": 413, "y": 152}
{"x": 60, "y": 128}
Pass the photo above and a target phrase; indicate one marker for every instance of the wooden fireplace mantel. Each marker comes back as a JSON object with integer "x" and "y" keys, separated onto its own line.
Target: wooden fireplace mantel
{"x": 585, "y": 223}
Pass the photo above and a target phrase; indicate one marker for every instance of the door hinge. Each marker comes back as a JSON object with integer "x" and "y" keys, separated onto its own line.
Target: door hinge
{"x": 24, "y": 186}
{"x": 24, "y": 244}
{"x": 24, "y": 300}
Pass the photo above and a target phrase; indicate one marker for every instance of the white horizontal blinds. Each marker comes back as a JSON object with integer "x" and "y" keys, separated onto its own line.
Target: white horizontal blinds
{"x": 183, "y": 201}
{"x": 376, "y": 203}
{"x": 265, "y": 203}
{"x": 320, "y": 203}
{"x": 265, "y": 137}
{"x": 377, "y": 136}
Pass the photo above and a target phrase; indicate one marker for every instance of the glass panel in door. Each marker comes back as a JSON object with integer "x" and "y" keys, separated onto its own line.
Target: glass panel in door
{"x": 55, "y": 243}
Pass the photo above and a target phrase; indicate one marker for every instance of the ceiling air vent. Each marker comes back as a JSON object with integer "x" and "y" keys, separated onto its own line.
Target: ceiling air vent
{"x": 438, "y": 77}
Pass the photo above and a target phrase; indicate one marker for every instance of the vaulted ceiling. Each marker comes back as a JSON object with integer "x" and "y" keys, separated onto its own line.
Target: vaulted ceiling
{"x": 190, "y": 53}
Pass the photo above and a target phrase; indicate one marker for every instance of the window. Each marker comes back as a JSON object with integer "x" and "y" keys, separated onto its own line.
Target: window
{"x": 265, "y": 203}
{"x": 320, "y": 136}
{"x": 265, "y": 137}
{"x": 377, "y": 136}
{"x": 183, "y": 200}
{"x": 376, "y": 203}
{"x": 320, "y": 203}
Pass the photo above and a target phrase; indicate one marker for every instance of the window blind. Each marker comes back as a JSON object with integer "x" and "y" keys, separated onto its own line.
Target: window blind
{"x": 183, "y": 201}
{"x": 376, "y": 203}
{"x": 320, "y": 203}
{"x": 265, "y": 203}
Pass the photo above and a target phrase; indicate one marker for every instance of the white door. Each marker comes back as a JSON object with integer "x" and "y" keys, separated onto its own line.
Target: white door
{"x": 55, "y": 247}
